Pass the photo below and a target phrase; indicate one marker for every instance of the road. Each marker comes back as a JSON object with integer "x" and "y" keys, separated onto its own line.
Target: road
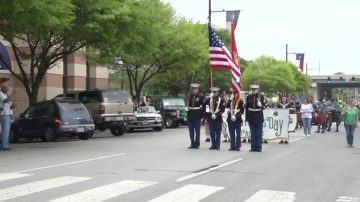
{"x": 157, "y": 166}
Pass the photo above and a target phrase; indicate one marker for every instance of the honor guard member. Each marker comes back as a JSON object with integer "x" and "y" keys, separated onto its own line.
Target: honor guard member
{"x": 255, "y": 105}
{"x": 234, "y": 120}
{"x": 195, "y": 114}
{"x": 215, "y": 109}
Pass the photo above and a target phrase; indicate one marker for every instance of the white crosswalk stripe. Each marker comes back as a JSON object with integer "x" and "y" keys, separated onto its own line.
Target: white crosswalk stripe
{"x": 106, "y": 192}
{"x": 348, "y": 199}
{"x": 272, "y": 196}
{"x": 38, "y": 186}
{"x": 11, "y": 176}
{"x": 188, "y": 193}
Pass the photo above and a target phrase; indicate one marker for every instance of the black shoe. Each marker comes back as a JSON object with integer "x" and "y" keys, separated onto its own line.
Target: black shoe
{"x": 225, "y": 141}
{"x": 323, "y": 132}
{"x": 6, "y": 149}
{"x": 281, "y": 142}
{"x": 212, "y": 148}
{"x": 252, "y": 150}
{"x": 244, "y": 141}
{"x": 207, "y": 140}
{"x": 191, "y": 147}
{"x": 265, "y": 141}
{"x": 232, "y": 149}
{"x": 249, "y": 141}
{"x": 238, "y": 149}
{"x": 286, "y": 142}
{"x": 197, "y": 147}
{"x": 217, "y": 148}
{"x": 259, "y": 150}
{"x": 317, "y": 132}
{"x": 336, "y": 130}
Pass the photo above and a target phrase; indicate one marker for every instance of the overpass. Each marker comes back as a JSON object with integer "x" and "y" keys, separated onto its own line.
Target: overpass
{"x": 339, "y": 85}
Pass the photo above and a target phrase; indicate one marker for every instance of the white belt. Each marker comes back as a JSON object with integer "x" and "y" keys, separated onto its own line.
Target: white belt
{"x": 194, "y": 108}
{"x": 255, "y": 110}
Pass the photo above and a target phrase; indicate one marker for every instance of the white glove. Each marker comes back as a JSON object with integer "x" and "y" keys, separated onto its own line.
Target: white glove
{"x": 186, "y": 109}
{"x": 232, "y": 97}
{"x": 207, "y": 109}
{"x": 213, "y": 116}
{"x": 259, "y": 104}
{"x": 233, "y": 118}
{"x": 211, "y": 95}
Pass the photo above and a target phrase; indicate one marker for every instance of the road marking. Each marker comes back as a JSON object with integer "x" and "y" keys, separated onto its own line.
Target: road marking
{"x": 348, "y": 199}
{"x": 71, "y": 163}
{"x": 297, "y": 139}
{"x": 11, "y": 176}
{"x": 106, "y": 192}
{"x": 38, "y": 186}
{"x": 272, "y": 196}
{"x": 188, "y": 193}
{"x": 187, "y": 177}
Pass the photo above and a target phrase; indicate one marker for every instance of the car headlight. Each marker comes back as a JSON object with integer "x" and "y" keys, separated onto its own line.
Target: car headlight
{"x": 158, "y": 119}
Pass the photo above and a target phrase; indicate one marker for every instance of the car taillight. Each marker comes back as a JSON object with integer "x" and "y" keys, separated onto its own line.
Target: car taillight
{"x": 102, "y": 109}
{"x": 57, "y": 122}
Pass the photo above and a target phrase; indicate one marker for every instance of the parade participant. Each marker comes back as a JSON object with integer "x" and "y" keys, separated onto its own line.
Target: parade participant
{"x": 350, "y": 117}
{"x": 234, "y": 120}
{"x": 321, "y": 116}
{"x": 306, "y": 111}
{"x": 215, "y": 109}
{"x": 225, "y": 127}
{"x": 255, "y": 105}
{"x": 194, "y": 115}
{"x": 335, "y": 115}
{"x": 284, "y": 104}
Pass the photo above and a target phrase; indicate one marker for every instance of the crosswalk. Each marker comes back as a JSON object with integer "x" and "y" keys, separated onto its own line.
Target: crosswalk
{"x": 116, "y": 190}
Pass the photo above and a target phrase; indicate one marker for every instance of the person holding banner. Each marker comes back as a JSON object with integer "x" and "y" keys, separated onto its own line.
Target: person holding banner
{"x": 284, "y": 104}
{"x": 195, "y": 114}
{"x": 234, "y": 120}
{"x": 255, "y": 104}
{"x": 215, "y": 108}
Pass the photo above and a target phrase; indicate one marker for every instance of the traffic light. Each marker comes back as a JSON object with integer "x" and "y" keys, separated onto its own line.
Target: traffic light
{"x": 353, "y": 80}
{"x": 329, "y": 80}
{"x": 341, "y": 80}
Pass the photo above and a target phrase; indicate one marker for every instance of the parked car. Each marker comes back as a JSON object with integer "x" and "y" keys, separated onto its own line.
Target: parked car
{"x": 52, "y": 119}
{"x": 146, "y": 117}
{"x": 110, "y": 109}
{"x": 172, "y": 111}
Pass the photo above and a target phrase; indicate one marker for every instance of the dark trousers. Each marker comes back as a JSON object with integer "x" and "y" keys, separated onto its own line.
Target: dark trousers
{"x": 194, "y": 131}
{"x": 235, "y": 134}
{"x": 215, "y": 133}
{"x": 256, "y": 130}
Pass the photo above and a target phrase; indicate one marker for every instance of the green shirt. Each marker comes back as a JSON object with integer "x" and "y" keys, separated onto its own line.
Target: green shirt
{"x": 351, "y": 116}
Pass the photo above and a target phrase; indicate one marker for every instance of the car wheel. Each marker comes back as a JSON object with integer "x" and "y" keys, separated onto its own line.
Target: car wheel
{"x": 13, "y": 137}
{"x": 49, "y": 135}
{"x": 158, "y": 128}
{"x": 101, "y": 128}
{"x": 118, "y": 129}
{"x": 131, "y": 130}
{"x": 169, "y": 123}
{"x": 85, "y": 136}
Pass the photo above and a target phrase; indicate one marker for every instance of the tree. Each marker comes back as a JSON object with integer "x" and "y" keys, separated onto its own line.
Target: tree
{"x": 275, "y": 76}
{"x": 159, "y": 41}
{"x": 41, "y": 32}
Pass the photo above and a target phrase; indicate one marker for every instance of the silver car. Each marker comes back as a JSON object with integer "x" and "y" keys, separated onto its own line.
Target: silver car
{"x": 146, "y": 117}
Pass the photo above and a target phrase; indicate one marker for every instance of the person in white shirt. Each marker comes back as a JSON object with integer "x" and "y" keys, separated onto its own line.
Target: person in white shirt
{"x": 306, "y": 111}
{"x": 6, "y": 108}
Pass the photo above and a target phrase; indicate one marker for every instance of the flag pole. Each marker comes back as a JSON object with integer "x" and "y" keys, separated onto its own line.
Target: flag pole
{"x": 211, "y": 70}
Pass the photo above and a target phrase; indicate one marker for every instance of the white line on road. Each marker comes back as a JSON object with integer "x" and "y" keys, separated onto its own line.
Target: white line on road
{"x": 188, "y": 193}
{"x": 297, "y": 139}
{"x": 272, "y": 196}
{"x": 106, "y": 192}
{"x": 38, "y": 186}
{"x": 71, "y": 163}
{"x": 11, "y": 176}
{"x": 348, "y": 199}
{"x": 207, "y": 170}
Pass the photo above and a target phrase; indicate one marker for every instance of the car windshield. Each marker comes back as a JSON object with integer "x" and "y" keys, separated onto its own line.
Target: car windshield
{"x": 173, "y": 102}
{"x": 116, "y": 96}
{"x": 144, "y": 110}
{"x": 69, "y": 110}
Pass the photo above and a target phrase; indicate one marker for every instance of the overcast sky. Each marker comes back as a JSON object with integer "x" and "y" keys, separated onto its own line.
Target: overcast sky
{"x": 325, "y": 30}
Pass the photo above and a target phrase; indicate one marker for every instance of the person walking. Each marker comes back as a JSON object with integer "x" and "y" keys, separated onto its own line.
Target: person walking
{"x": 350, "y": 118}
{"x": 321, "y": 116}
{"x": 306, "y": 111}
{"x": 194, "y": 115}
{"x": 234, "y": 120}
{"x": 6, "y": 108}
{"x": 216, "y": 109}
{"x": 255, "y": 104}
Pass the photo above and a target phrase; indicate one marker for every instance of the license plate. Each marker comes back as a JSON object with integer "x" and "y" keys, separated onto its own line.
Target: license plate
{"x": 80, "y": 129}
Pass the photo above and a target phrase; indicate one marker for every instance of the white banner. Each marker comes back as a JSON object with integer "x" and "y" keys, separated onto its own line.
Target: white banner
{"x": 276, "y": 124}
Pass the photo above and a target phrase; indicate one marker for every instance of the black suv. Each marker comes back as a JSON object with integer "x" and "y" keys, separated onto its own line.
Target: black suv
{"x": 51, "y": 119}
{"x": 172, "y": 111}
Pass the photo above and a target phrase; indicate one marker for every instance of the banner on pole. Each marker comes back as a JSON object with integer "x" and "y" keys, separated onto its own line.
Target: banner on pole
{"x": 276, "y": 124}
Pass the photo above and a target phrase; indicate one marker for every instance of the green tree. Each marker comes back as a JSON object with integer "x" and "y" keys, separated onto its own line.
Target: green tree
{"x": 44, "y": 31}
{"x": 275, "y": 76}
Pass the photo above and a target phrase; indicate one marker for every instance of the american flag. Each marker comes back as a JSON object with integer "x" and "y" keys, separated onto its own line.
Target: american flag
{"x": 220, "y": 57}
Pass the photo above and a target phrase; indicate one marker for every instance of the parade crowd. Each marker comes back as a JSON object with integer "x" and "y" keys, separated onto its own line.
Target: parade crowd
{"x": 222, "y": 114}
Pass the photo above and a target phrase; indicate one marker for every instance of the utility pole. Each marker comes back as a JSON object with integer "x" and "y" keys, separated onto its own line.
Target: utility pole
{"x": 211, "y": 70}
{"x": 287, "y": 53}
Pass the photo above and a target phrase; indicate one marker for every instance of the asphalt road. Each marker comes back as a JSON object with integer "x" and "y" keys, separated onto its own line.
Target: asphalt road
{"x": 157, "y": 166}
